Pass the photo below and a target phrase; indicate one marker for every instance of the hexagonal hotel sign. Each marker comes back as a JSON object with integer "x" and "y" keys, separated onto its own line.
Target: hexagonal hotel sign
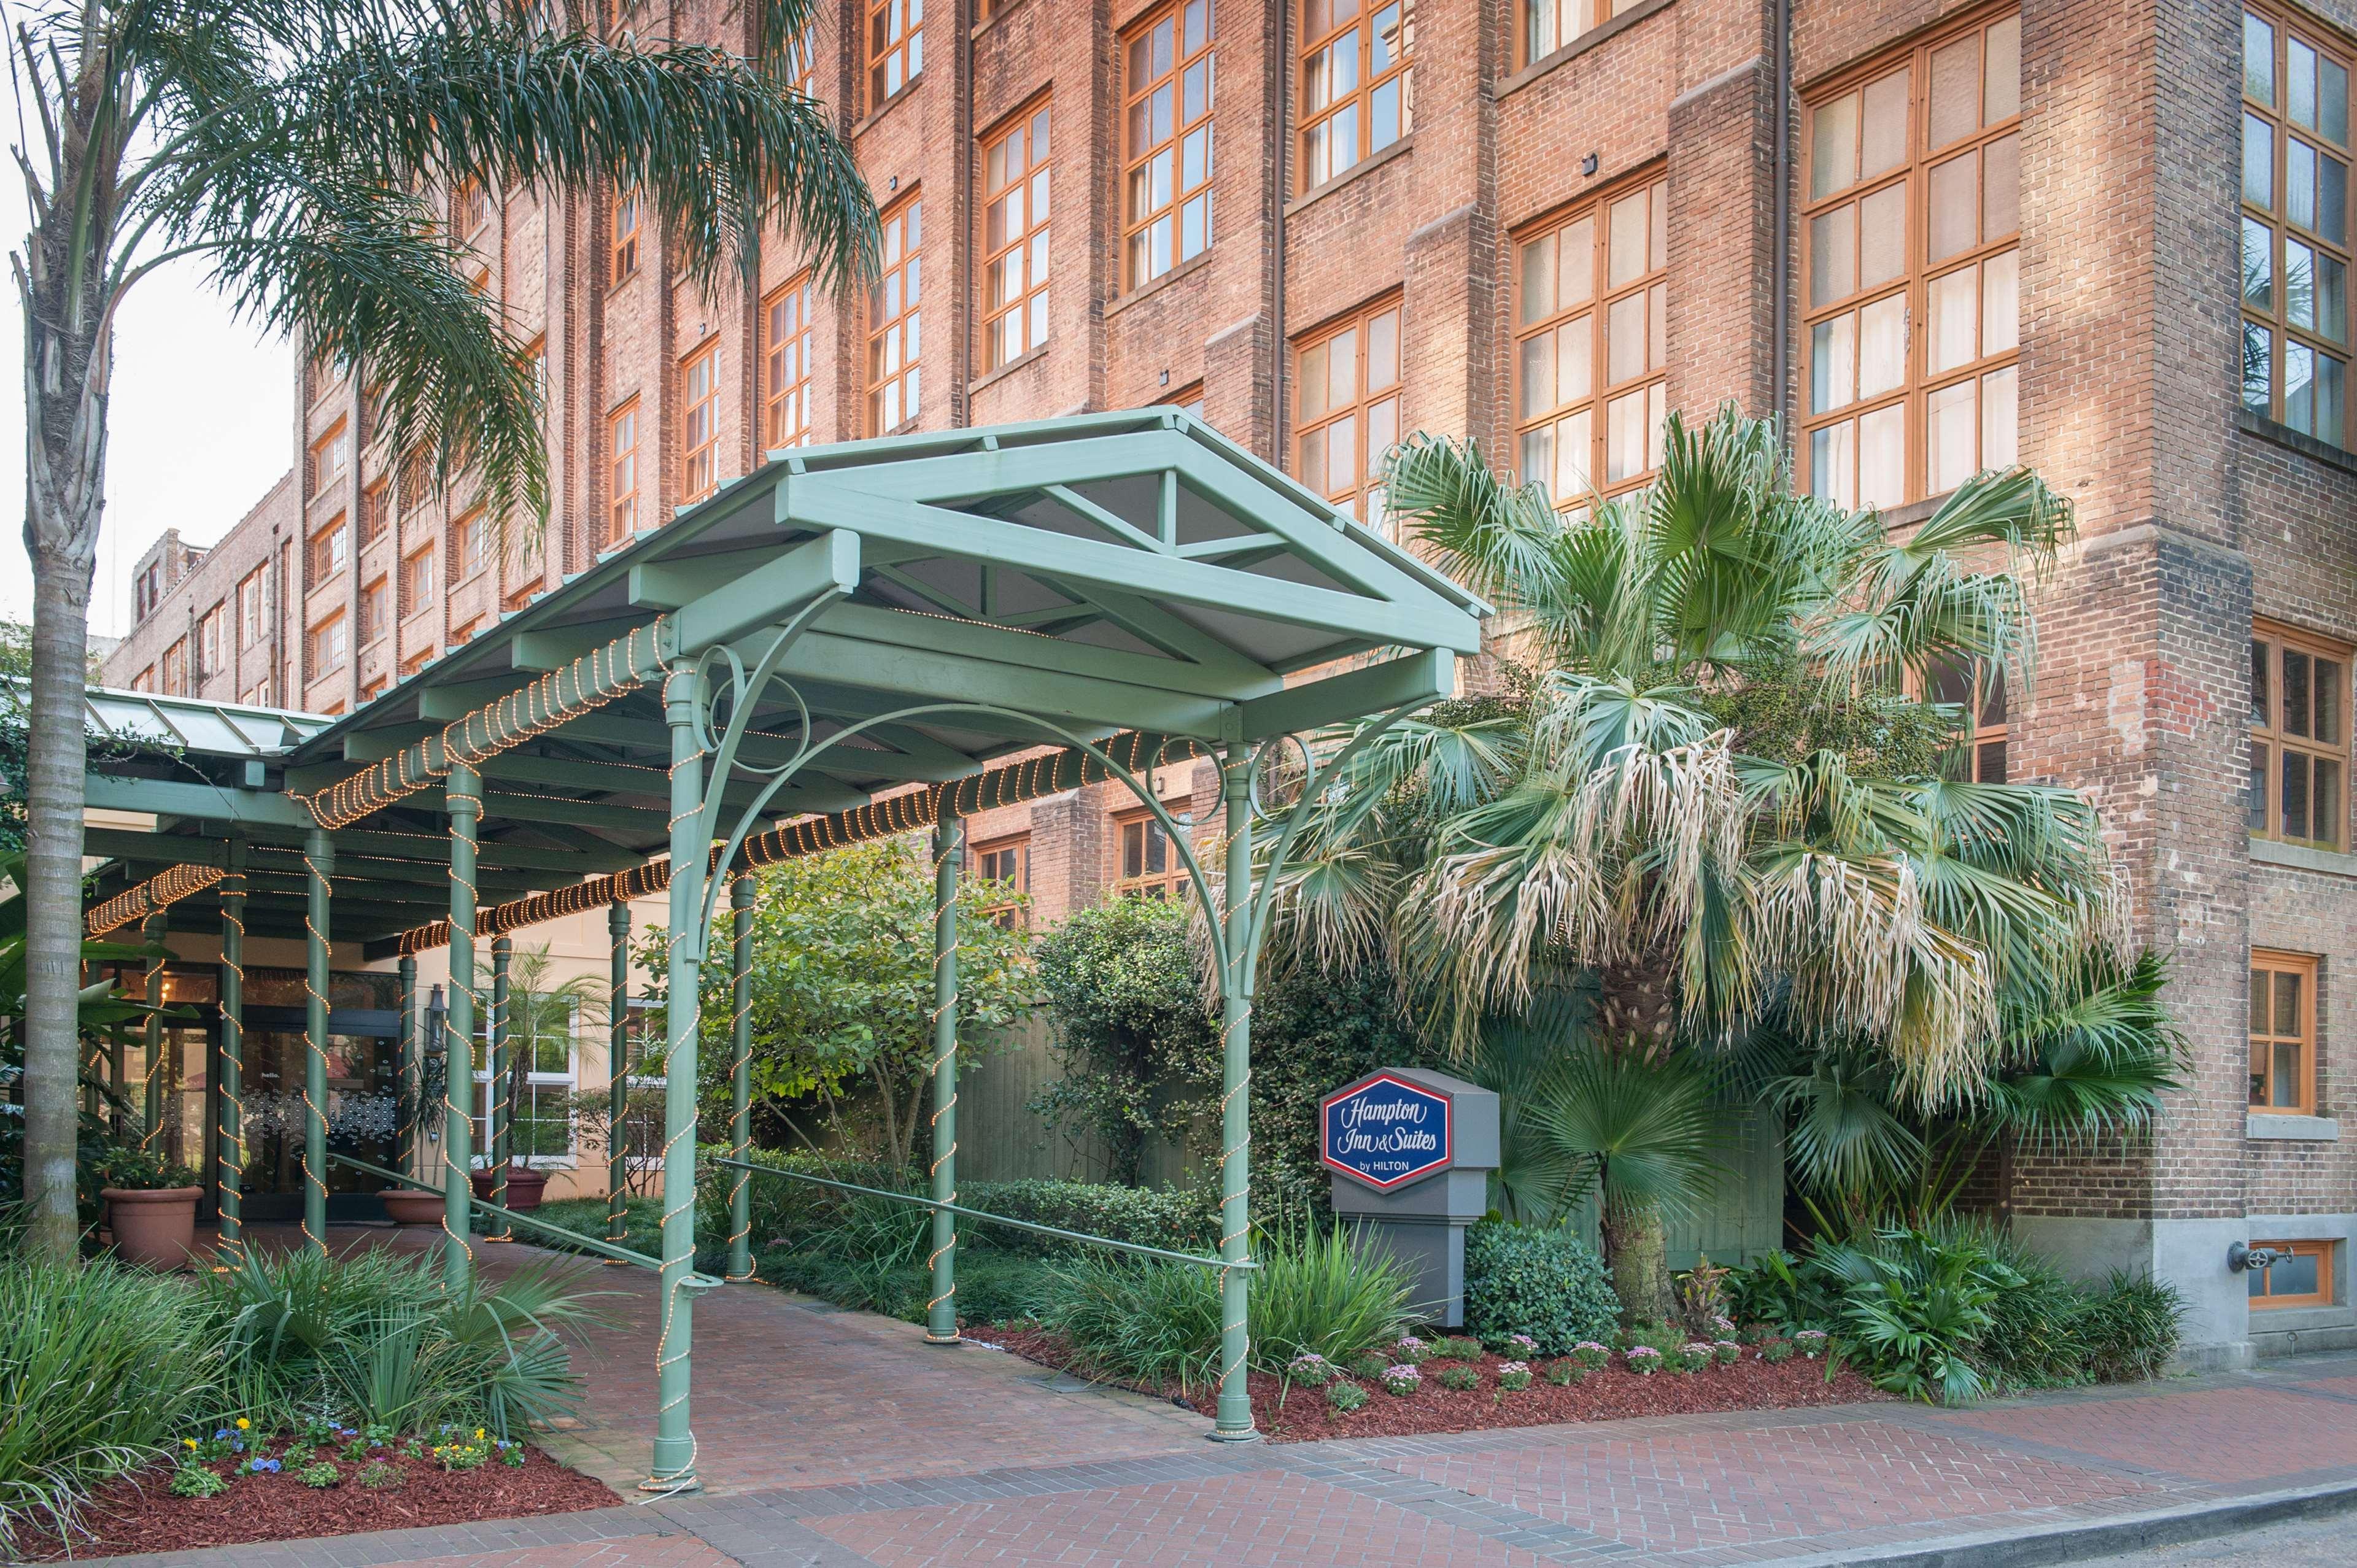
{"x": 1386, "y": 1132}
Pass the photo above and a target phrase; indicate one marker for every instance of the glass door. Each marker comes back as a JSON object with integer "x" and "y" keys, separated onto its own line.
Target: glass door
{"x": 362, "y": 1109}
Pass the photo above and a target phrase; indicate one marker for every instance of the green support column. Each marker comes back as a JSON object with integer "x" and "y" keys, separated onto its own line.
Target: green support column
{"x": 949, "y": 847}
{"x": 502, "y": 1110}
{"x": 674, "y": 1452}
{"x": 404, "y": 1150}
{"x": 463, "y": 796}
{"x": 229, "y": 1143}
{"x": 1234, "y": 1421}
{"x": 617, "y": 1065}
{"x": 151, "y": 932}
{"x": 740, "y": 1075}
{"x": 318, "y": 862}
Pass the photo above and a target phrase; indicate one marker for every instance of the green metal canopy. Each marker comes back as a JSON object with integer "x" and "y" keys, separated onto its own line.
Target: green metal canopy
{"x": 852, "y": 640}
{"x": 1104, "y": 572}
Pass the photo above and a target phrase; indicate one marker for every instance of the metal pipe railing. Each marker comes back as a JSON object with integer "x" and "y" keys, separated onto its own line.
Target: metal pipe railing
{"x": 587, "y": 1243}
{"x": 1033, "y": 1226}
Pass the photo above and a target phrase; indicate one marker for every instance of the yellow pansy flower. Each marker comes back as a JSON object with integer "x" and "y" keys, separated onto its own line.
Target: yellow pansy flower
{"x": 189, "y": 1441}
{"x": 242, "y": 1423}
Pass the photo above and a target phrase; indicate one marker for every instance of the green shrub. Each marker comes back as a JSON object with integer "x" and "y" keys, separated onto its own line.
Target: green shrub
{"x": 1318, "y": 1292}
{"x": 1548, "y": 1284}
{"x": 1369, "y": 1364}
{"x": 1917, "y": 1308}
{"x": 1153, "y": 1322}
{"x": 1775, "y": 1352}
{"x": 378, "y": 1476}
{"x": 993, "y": 1287}
{"x": 322, "y": 1476}
{"x": 195, "y": 1481}
{"x": 99, "y": 1367}
{"x": 1345, "y": 1397}
{"x": 375, "y": 1335}
{"x": 1458, "y": 1348}
{"x": 2134, "y": 1325}
{"x": 1180, "y": 1220}
{"x": 1311, "y": 1371}
{"x": 1564, "y": 1372}
{"x": 1459, "y": 1377}
{"x": 641, "y": 1223}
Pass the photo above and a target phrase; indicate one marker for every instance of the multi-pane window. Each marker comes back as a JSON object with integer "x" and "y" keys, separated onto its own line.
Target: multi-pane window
{"x": 2301, "y": 1275}
{"x": 1015, "y": 239}
{"x": 1005, "y": 869}
{"x": 330, "y": 548}
{"x": 895, "y": 344}
{"x": 466, "y": 208}
{"x": 896, "y": 47}
{"x": 416, "y": 480}
{"x": 1548, "y": 24}
{"x": 2283, "y": 1032}
{"x": 1148, "y": 867}
{"x": 1977, "y": 693}
{"x": 1591, "y": 355}
{"x": 376, "y": 511}
{"x": 417, "y": 581}
{"x": 373, "y": 600}
{"x": 2299, "y": 737}
{"x": 176, "y": 668}
{"x": 801, "y": 60}
{"x": 1347, "y": 409}
{"x": 331, "y": 456}
{"x": 211, "y": 636}
{"x": 622, "y": 472}
{"x": 540, "y": 1121}
{"x": 699, "y": 431}
{"x": 1912, "y": 275}
{"x": 787, "y": 336}
{"x": 329, "y": 646}
{"x": 1357, "y": 87}
{"x": 470, "y": 544}
{"x": 622, "y": 247}
{"x": 2296, "y": 227}
{"x": 252, "y": 605}
{"x": 1167, "y": 140}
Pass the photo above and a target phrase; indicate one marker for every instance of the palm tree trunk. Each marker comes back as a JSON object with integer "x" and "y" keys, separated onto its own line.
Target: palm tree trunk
{"x": 1636, "y": 1246}
{"x": 69, "y": 348}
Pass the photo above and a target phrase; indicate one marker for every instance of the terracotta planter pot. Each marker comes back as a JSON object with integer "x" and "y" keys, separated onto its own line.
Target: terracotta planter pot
{"x": 411, "y": 1205}
{"x": 524, "y": 1187}
{"x": 154, "y": 1227}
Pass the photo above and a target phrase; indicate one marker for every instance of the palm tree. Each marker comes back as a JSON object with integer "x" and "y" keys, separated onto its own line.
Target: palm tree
{"x": 1709, "y": 780}
{"x": 541, "y": 1010}
{"x": 294, "y": 147}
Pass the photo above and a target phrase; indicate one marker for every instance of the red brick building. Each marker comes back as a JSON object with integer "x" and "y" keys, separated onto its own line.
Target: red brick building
{"x": 1935, "y": 236}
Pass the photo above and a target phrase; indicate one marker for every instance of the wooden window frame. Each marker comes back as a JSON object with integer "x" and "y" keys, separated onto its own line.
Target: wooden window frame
{"x": 1372, "y": 406}
{"x": 1593, "y": 13}
{"x": 1015, "y": 322}
{"x": 699, "y": 424}
{"x": 1544, "y": 321}
{"x": 1322, "y": 119}
{"x": 2273, "y": 330}
{"x": 624, "y": 224}
{"x": 329, "y": 548}
{"x": 623, "y": 518}
{"x": 1835, "y": 333}
{"x": 801, "y": 60}
{"x": 470, "y": 545}
{"x": 322, "y": 646}
{"x": 896, "y": 315}
{"x": 468, "y": 210}
{"x": 1985, "y": 721}
{"x": 176, "y": 668}
{"x": 1007, "y": 913}
{"x": 376, "y": 511}
{"x": 333, "y": 448}
{"x": 210, "y": 658}
{"x": 2326, "y": 1254}
{"x": 254, "y": 612}
{"x": 786, "y": 378}
{"x": 893, "y": 39}
{"x": 417, "y": 581}
{"x": 1158, "y": 132}
{"x": 2267, "y": 1036}
{"x": 1171, "y": 881}
{"x": 2272, "y": 741}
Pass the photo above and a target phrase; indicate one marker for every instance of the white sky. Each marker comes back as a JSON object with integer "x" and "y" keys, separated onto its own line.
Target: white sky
{"x": 202, "y": 421}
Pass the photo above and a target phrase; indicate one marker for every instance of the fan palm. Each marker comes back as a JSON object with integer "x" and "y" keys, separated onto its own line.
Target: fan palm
{"x": 1624, "y": 809}
{"x": 290, "y": 147}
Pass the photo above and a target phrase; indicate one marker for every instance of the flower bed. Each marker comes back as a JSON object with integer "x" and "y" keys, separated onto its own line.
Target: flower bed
{"x": 225, "y": 1492}
{"x": 1297, "y": 1411}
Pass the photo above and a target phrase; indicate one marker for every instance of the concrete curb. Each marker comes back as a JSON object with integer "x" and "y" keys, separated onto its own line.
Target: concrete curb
{"x": 2078, "y": 1542}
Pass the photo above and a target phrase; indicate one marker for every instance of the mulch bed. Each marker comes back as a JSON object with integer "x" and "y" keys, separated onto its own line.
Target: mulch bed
{"x": 1298, "y": 1413}
{"x": 139, "y": 1513}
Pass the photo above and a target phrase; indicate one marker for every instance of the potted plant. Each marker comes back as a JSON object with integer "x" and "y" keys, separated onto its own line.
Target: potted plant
{"x": 151, "y": 1205}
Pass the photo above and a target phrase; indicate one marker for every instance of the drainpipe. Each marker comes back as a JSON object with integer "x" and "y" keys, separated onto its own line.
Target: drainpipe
{"x": 1278, "y": 163}
{"x": 1780, "y": 350}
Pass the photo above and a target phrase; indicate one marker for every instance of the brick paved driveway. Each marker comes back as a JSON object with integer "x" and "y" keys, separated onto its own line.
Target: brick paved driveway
{"x": 835, "y": 1440}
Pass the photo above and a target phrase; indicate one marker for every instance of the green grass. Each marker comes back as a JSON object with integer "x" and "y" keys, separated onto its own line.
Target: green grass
{"x": 641, "y": 1223}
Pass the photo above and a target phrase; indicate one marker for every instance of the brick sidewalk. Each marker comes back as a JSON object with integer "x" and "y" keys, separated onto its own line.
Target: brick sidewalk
{"x": 836, "y": 1440}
